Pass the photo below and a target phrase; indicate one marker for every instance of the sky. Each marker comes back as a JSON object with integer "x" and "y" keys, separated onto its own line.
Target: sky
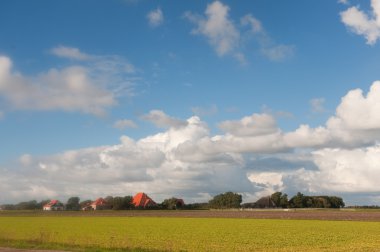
{"x": 189, "y": 99}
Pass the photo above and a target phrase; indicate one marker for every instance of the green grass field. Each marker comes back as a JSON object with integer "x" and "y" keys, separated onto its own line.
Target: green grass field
{"x": 95, "y": 233}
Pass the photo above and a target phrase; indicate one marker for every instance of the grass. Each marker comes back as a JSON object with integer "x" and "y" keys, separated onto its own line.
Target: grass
{"x": 186, "y": 234}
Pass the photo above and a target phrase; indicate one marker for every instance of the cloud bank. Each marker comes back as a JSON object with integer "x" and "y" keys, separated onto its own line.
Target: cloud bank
{"x": 253, "y": 156}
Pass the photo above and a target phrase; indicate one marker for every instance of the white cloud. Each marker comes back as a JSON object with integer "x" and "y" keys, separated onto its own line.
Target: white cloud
{"x": 155, "y": 17}
{"x": 69, "y": 53}
{"x": 317, "y": 105}
{"x": 68, "y": 89}
{"x": 254, "y": 23}
{"x": 271, "y": 50}
{"x": 124, "y": 123}
{"x": 90, "y": 87}
{"x": 354, "y": 170}
{"x": 358, "y": 112}
{"x": 227, "y": 38}
{"x": 270, "y": 181}
{"x": 361, "y": 23}
{"x": 217, "y": 28}
{"x": 344, "y": 2}
{"x": 162, "y": 120}
{"x": 305, "y": 137}
{"x": 253, "y": 157}
{"x": 257, "y": 124}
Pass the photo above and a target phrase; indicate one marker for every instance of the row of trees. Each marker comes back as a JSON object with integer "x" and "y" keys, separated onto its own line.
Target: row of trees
{"x": 276, "y": 200}
{"x": 114, "y": 203}
{"x": 303, "y": 201}
{"x": 220, "y": 201}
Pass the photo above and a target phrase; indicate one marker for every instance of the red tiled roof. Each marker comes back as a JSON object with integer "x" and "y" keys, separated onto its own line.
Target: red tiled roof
{"x": 99, "y": 202}
{"x": 143, "y": 200}
{"x": 51, "y": 203}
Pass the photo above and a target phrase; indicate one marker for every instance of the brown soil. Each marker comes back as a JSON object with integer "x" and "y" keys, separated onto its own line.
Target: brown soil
{"x": 294, "y": 214}
{"x": 266, "y": 214}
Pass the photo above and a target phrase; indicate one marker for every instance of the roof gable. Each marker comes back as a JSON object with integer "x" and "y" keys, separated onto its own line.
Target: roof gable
{"x": 143, "y": 200}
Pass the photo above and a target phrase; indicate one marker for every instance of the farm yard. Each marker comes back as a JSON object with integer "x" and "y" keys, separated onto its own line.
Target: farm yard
{"x": 260, "y": 230}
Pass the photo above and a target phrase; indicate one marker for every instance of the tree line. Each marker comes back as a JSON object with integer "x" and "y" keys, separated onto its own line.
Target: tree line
{"x": 276, "y": 200}
{"x": 112, "y": 203}
{"x": 303, "y": 201}
{"x": 225, "y": 200}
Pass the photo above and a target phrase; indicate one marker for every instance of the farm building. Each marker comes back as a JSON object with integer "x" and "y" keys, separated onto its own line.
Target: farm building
{"x": 265, "y": 202}
{"x": 53, "y": 205}
{"x": 143, "y": 201}
{"x": 99, "y": 204}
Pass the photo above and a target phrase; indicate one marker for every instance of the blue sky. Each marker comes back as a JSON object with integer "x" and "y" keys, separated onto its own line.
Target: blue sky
{"x": 189, "y": 98}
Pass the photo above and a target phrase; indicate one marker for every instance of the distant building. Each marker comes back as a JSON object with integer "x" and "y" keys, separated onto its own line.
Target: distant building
{"x": 265, "y": 202}
{"x": 142, "y": 200}
{"x": 99, "y": 204}
{"x": 53, "y": 205}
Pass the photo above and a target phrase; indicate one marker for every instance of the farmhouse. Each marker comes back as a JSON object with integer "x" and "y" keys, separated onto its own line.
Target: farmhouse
{"x": 142, "y": 200}
{"x": 99, "y": 204}
{"x": 53, "y": 205}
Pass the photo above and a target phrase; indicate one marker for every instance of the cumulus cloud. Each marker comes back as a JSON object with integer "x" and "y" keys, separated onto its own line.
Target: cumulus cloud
{"x": 253, "y": 156}
{"x": 361, "y": 23}
{"x": 155, "y": 17}
{"x": 68, "y": 89}
{"x": 91, "y": 87}
{"x": 124, "y": 123}
{"x": 216, "y": 27}
{"x": 257, "y": 124}
{"x": 227, "y": 38}
{"x": 162, "y": 120}
{"x": 359, "y": 112}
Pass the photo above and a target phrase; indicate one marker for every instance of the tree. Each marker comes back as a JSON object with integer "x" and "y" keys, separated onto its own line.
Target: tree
{"x": 280, "y": 200}
{"x": 336, "y": 202}
{"x": 172, "y": 203}
{"x": 226, "y": 200}
{"x": 122, "y": 203}
{"x": 298, "y": 201}
{"x": 27, "y": 205}
{"x": 73, "y": 204}
{"x": 276, "y": 198}
{"x": 109, "y": 200}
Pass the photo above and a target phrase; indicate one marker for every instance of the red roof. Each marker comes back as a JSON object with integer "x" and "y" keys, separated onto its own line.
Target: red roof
{"x": 99, "y": 202}
{"x": 51, "y": 203}
{"x": 143, "y": 200}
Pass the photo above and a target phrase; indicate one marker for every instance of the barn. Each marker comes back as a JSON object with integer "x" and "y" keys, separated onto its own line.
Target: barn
{"x": 53, "y": 205}
{"x": 142, "y": 200}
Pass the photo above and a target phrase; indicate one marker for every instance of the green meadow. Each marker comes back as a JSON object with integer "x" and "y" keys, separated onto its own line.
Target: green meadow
{"x": 94, "y": 233}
